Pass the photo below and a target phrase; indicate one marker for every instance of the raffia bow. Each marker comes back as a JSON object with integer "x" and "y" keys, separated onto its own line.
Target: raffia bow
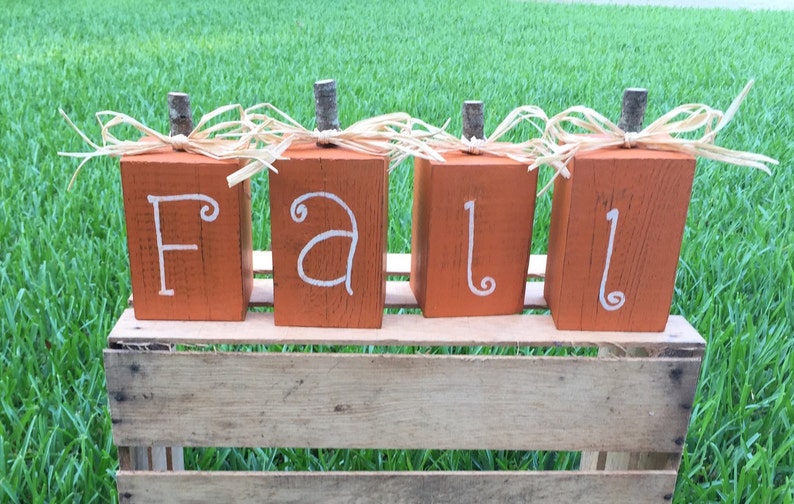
{"x": 526, "y": 152}
{"x": 233, "y": 139}
{"x": 662, "y": 134}
{"x": 393, "y": 135}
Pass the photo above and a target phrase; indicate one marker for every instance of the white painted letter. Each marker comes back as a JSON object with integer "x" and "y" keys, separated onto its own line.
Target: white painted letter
{"x": 615, "y": 299}
{"x": 206, "y": 216}
{"x": 298, "y": 212}
{"x": 488, "y": 284}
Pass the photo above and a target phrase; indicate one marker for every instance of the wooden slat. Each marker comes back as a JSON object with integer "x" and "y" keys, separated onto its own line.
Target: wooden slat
{"x": 263, "y": 262}
{"x": 396, "y": 264}
{"x": 557, "y": 487}
{"x": 621, "y": 461}
{"x": 399, "y": 401}
{"x": 412, "y": 330}
{"x": 398, "y": 294}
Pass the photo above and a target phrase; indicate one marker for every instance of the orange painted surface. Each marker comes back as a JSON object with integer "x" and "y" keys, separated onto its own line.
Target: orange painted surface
{"x": 485, "y": 203}
{"x": 206, "y": 260}
{"x": 640, "y": 199}
{"x": 340, "y": 280}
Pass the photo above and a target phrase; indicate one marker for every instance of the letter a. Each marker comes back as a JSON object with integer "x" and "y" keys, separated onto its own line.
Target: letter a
{"x": 299, "y": 212}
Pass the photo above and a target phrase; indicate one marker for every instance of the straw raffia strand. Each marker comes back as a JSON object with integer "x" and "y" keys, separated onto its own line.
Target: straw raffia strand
{"x": 526, "y": 152}
{"x": 662, "y": 134}
{"x": 392, "y": 135}
{"x": 232, "y": 139}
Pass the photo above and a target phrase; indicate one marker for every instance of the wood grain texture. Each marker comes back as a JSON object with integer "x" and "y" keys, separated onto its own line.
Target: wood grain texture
{"x": 361, "y": 182}
{"x": 473, "y": 115}
{"x": 622, "y": 461}
{"x": 650, "y": 190}
{"x": 559, "y": 487}
{"x": 180, "y": 115}
{"x": 632, "y": 112}
{"x": 449, "y": 279}
{"x": 502, "y": 330}
{"x": 396, "y": 264}
{"x": 325, "y": 105}
{"x": 214, "y": 281}
{"x": 399, "y": 401}
{"x": 398, "y": 295}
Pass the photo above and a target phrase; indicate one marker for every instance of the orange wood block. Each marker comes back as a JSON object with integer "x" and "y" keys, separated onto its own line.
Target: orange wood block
{"x": 189, "y": 237}
{"x": 472, "y": 231}
{"x": 615, "y": 238}
{"x": 329, "y": 213}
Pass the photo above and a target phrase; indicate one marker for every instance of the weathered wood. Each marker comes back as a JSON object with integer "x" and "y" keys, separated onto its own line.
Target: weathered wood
{"x": 329, "y": 219}
{"x": 141, "y": 458}
{"x": 592, "y": 461}
{"x": 632, "y": 461}
{"x": 126, "y": 458}
{"x": 557, "y": 487}
{"x": 632, "y": 112}
{"x": 615, "y": 238}
{"x": 396, "y": 264}
{"x": 325, "y": 105}
{"x": 626, "y": 461}
{"x": 179, "y": 114}
{"x": 176, "y": 458}
{"x": 399, "y": 401}
{"x": 155, "y": 458}
{"x": 414, "y": 330}
{"x": 471, "y": 234}
{"x": 398, "y": 293}
{"x": 473, "y": 120}
{"x": 159, "y": 458}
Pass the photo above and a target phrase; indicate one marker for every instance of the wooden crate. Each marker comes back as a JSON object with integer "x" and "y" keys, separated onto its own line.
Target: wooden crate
{"x": 626, "y": 410}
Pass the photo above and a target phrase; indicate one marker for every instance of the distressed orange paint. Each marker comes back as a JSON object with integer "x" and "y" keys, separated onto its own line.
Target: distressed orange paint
{"x": 628, "y": 206}
{"x": 206, "y": 271}
{"x": 322, "y": 280}
{"x": 485, "y": 203}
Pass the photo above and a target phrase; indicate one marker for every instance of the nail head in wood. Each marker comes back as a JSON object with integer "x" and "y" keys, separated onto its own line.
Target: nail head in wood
{"x": 325, "y": 107}
{"x": 632, "y": 112}
{"x": 179, "y": 114}
{"x": 473, "y": 119}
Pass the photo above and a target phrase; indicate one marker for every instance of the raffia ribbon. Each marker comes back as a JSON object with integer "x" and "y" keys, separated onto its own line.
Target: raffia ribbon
{"x": 231, "y": 139}
{"x": 526, "y": 152}
{"x": 393, "y": 135}
{"x": 662, "y": 134}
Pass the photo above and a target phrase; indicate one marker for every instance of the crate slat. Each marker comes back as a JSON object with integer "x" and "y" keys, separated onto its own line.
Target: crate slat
{"x": 396, "y": 264}
{"x": 558, "y": 487}
{"x": 398, "y": 294}
{"x": 399, "y": 401}
{"x": 412, "y": 330}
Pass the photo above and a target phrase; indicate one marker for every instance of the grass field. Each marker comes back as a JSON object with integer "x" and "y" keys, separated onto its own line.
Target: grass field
{"x": 63, "y": 267}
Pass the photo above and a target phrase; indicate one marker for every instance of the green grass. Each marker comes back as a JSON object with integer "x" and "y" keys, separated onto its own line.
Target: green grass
{"x": 63, "y": 265}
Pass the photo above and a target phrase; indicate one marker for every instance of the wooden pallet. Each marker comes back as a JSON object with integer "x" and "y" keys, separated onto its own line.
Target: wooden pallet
{"x": 627, "y": 410}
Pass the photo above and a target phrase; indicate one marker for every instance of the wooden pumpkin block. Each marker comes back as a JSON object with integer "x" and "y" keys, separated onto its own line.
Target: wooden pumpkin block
{"x": 615, "y": 238}
{"x": 329, "y": 211}
{"x": 189, "y": 237}
{"x": 472, "y": 231}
